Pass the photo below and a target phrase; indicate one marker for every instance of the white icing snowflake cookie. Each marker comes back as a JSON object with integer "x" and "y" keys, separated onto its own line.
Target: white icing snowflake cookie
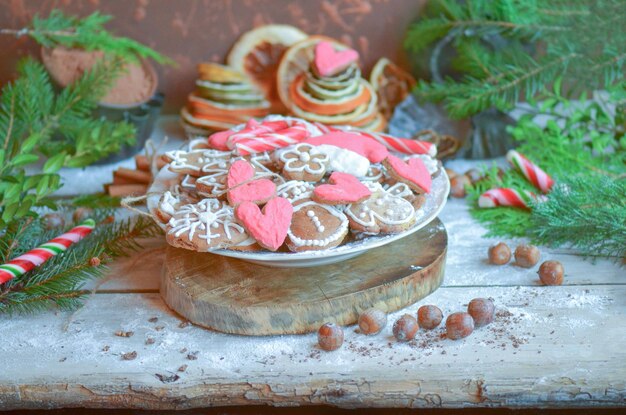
{"x": 315, "y": 227}
{"x": 204, "y": 226}
{"x": 383, "y": 212}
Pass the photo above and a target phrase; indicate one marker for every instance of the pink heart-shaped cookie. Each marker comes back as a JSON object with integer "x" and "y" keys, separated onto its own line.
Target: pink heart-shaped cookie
{"x": 363, "y": 145}
{"x": 414, "y": 173}
{"x": 257, "y": 191}
{"x": 270, "y": 226}
{"x": 343, "y": 188}
{"x": 329, "y": 62}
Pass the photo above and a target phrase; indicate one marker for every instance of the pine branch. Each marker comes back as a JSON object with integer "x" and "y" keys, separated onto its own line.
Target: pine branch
{"x": 87, "y": 33}
{"x": 59, "y": 280}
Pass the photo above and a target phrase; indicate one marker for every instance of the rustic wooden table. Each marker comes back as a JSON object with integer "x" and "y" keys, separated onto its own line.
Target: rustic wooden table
{"x": 549, "y": 346}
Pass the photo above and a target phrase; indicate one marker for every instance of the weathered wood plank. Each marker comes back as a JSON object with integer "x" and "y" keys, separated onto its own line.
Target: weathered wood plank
{"x": 550, "y": 346}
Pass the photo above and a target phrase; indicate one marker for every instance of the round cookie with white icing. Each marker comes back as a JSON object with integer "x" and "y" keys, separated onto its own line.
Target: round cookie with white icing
{"x": 383, "y": 212}
{"x": 204, "y": 226}
{"x": 315, "y": 227}
{"x": 303, "y": 162}
{"x": 295, "y": 191}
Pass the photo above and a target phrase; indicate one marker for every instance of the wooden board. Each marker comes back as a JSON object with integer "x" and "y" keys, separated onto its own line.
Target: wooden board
{"x": 238, "y": 297}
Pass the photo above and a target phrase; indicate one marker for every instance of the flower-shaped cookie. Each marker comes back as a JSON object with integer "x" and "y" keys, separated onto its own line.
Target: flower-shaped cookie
{"x": 303, "y": 162}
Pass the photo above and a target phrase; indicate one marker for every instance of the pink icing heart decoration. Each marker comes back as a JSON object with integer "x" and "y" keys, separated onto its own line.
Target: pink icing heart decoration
{"x": 363, "y": 145}
{"x": 414, "y": 171}
{"x": 343, "y": 188}
{"x": 329, "y": 62}
{"x": 256, "y": 191}
{"x": 270, "y": 226}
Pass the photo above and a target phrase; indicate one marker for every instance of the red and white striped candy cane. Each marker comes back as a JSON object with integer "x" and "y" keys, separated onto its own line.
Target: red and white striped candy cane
{"x": 507, "y": 197}
{"x": 271, "y": 141}
{"x": 400, "y": 145}
{"x": 35, "y": 257}
{"x": 533, "y": 173}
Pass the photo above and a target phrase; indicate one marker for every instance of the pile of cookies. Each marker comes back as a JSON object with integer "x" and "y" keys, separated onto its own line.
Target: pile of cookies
{"x": 285, "y": 184}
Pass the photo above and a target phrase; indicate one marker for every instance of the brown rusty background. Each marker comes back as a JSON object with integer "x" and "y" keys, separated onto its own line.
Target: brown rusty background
{"x": 191, "y": 31}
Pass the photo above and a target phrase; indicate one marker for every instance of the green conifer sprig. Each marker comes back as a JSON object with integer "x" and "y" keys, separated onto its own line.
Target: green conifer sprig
{"x": 583, "y": 148}
{"x": 87, "y": 33}
{"x": 581, "y": 40}
{"x": 58, "y": 282}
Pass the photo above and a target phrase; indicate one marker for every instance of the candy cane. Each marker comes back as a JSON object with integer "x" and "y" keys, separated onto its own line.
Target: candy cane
{"x": 533, "y": 173}
{"x": 507, "y": 197}
{"x": 401, "y": 145}
{"x": 271, "y": 141}
{"x": 35, "y": 257}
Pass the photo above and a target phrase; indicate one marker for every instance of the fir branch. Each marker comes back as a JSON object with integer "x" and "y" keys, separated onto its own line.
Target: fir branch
{"x": 59, "y": 280}
{"x": 87, "y": 33}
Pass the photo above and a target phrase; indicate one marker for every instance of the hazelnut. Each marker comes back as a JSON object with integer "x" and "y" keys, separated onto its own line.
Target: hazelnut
{"x": 551, "y": 273}
{"x": 330, "y": 337}
{"x": 458, "y": 184}
{"x": 459, "y": 325}
{"x": 482, "y": 311}
{"x": 527, "y": 256}
{"x": 405, "y": 327}
{"x": 499, "y": 254}
{"x": 451, "y": 173}
{"x": 53, "y": 221}
{"x": 81, "y": 213}
{"x": 372, "y": 321}
{"x": 474, "y": 175}
{"x": 429, "y": 316}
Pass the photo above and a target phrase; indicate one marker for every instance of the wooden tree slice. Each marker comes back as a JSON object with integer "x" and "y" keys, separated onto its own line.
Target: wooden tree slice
{"x": 238, "y": 297}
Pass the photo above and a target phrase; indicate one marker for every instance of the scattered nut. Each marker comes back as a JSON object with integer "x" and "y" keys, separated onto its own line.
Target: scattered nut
{"x": 458, "y": 184}
{"x": 451, "y": 173}
{"x": 551, "y": 273}
{"x": 474, "y": 175}
{"x": 330, "y": 337}
{"x": 53, "y": 221}
{"x": 429, "y": 316}
{"x": 372, "y": 321}
{"x": 81, "y": 213}
{"x": 527, "y": 256}
{"x": 129, "y": 356}
{"x": 482, "y": 311}
{"x": 153, "y": 319}
{"x": 405, "y": 328}
{"x": 182, "y": 368}
{"x": 94, "y": 261}
{"x": 499, "y": 254}
{"x": 124, "y": 333}
{"x": 459, "y": 325}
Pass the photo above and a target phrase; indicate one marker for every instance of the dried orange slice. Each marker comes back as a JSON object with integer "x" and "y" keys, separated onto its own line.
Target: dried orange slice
{"x": 296, "y": 61}
{"x": 392, "y": 84}
{"x": 348, "y": 103}
{"x": 257, "y": 54}
{"x": 215, "y": 72}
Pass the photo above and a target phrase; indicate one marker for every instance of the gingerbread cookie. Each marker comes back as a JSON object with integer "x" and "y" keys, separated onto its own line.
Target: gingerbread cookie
{"x": 268, "y": 226}
{"x": 381, "y": 213}
{"x": 213, "y": 181}
{"x": 192, "y": 162}
{"x": 303, "y": 162}
{"x": 204, "y": 226}
{"x": 404, "y": 191}
{"x": 375, "y": 173}
{"x": 295, "y": 191}
{"x": 167, "y": 206}
{"x": 315, "y": 227}
{"x": 412, "y": 172}
{"x": 342, "y": 188}
{"x": 242, "y": 187}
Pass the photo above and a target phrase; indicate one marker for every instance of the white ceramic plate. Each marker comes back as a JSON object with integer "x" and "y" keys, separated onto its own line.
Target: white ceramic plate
{"x": 435, "y": 201}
